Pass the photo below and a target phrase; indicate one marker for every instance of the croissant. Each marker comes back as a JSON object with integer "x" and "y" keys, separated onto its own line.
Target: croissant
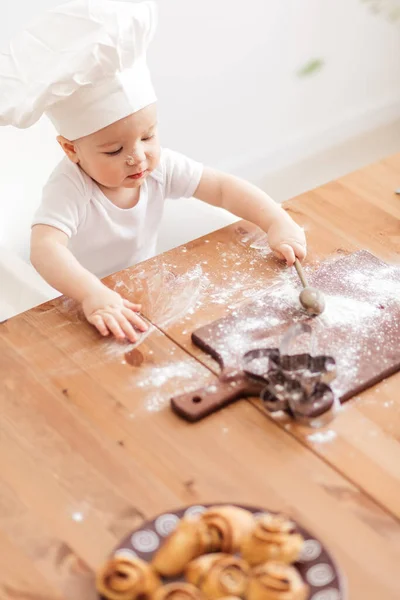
{"x": 178, "y": 591}
{"x": 188, "y": 541}
{"x": 227, "y": 526}
{"x": 218, "y": 575}
{"x": 276, "y": 581}
{"x": 274, "y": 538}
{"x": 125, "y": 578}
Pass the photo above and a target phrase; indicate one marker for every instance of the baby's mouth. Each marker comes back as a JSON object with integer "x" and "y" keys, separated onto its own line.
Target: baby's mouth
{"x": 137, "y": 175}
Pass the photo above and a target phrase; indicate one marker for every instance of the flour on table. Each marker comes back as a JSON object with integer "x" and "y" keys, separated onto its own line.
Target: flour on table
{"x": 322, "y": 437}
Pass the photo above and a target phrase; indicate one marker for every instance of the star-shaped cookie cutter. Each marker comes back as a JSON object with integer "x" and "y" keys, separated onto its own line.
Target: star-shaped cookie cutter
{"x": 297, "y": 384}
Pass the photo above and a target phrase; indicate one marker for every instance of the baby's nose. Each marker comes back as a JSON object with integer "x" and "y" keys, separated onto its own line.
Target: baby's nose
{"x": 137, "y": 156}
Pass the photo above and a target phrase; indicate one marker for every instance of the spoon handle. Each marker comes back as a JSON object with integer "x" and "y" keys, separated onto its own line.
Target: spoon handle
{"x": 300, "y": 273}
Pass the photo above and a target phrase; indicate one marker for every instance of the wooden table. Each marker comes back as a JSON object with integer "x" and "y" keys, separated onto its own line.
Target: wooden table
{"x": 89, "y": 447}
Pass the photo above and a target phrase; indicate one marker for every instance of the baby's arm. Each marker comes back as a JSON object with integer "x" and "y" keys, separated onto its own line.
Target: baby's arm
{"x": 103, "y": 308}
{"x": 249, "y": 202}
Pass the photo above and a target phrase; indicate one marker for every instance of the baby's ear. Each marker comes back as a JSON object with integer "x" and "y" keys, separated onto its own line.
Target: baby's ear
{"x": 69, "y": 148}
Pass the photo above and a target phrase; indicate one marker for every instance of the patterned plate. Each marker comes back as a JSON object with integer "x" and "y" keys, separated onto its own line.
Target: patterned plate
{"x": 316, "y": 566}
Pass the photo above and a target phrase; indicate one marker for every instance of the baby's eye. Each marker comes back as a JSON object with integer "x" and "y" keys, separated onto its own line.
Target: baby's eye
{"x": 114, "y": 153}
{"x": 149, "y": 137}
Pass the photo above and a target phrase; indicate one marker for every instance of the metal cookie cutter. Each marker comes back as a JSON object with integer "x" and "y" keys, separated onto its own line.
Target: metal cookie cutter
{"x": 259, "y": 363}
{"x": 297, "y": 384}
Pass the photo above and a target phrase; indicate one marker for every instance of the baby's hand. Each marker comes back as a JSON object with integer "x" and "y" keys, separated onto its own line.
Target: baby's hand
{"x": 108, "y": 312}
{"x": 287, "y": 239}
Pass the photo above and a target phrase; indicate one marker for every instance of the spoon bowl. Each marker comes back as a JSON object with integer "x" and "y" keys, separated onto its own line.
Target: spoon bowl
{"x": 312, "y": 300}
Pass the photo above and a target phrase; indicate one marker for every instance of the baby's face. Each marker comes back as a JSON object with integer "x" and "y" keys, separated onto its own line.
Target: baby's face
{"x": 122, "y": 154}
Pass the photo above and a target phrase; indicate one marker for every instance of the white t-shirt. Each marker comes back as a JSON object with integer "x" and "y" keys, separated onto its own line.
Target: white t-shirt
{"x": 103, "y": 237}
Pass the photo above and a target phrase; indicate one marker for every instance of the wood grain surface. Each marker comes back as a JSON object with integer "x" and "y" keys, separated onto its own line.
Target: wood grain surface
{"x": 89, "y": 447}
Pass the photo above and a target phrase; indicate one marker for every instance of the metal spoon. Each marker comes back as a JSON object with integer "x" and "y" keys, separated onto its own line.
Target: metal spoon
{"x": 311, "y": 299}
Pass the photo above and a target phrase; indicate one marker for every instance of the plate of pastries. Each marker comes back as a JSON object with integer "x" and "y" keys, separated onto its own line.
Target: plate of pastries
{"x": 220, "y": 552}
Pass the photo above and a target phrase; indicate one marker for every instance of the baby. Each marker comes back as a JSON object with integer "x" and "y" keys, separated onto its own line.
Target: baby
{"x": 102, "y": 206}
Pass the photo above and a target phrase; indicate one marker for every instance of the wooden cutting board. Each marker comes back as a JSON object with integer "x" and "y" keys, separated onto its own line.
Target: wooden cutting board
{"x": 360, "y": 328}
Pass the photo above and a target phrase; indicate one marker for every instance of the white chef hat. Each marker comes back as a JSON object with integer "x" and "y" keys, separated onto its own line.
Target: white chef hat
{"x": 83, "y": 64}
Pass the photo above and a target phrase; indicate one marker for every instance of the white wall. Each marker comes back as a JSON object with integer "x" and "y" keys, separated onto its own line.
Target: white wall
{"x": 225, "y": 72}
{"x": 226, "y": 76}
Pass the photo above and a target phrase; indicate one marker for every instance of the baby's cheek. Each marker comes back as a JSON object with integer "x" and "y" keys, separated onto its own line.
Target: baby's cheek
{"x": 111, "y": 173}
{"x": 153, "y": 157}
